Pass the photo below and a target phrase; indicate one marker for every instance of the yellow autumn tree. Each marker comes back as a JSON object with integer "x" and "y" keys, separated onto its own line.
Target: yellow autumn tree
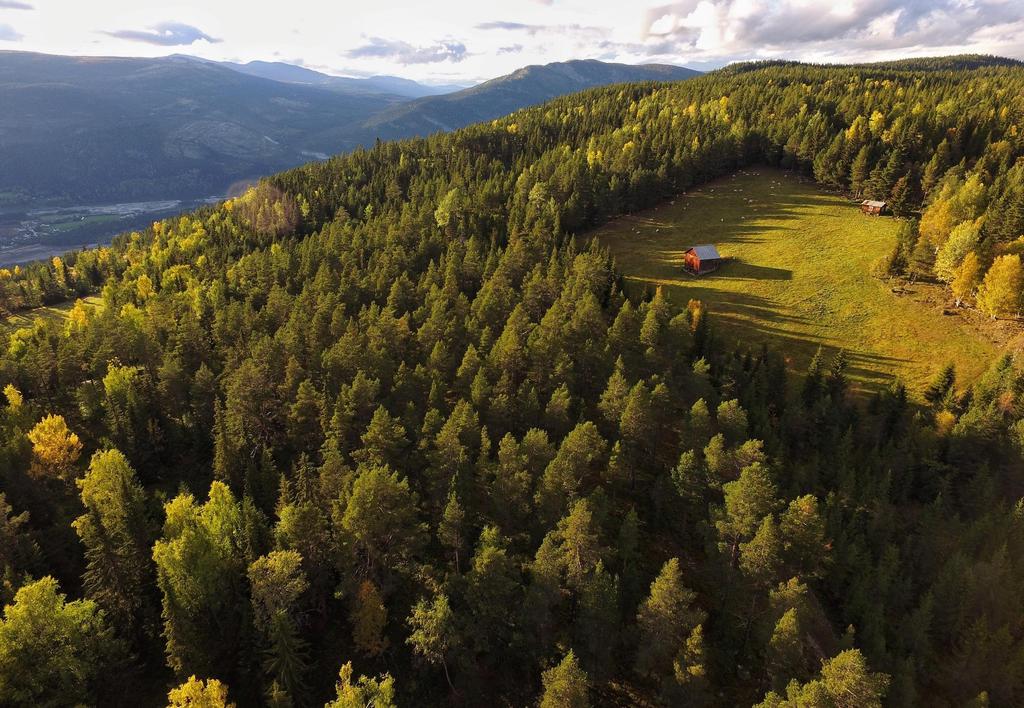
{"x": 378, "y": 692}
{"x": 77, "y": 318}
{"x": 967, "y": 278}
{"x": 368, "y": 619}
{"x": 55, "y": 449}
{"x": 1000, "y": 293}
{"x": 957, "y": 202}
{"x": 14, "y": 398}
{"x": 877, "y": 123}
{"x": 59, "y": 273}
{"x": 196, "y": 693}
{"x": 144, "y": 287}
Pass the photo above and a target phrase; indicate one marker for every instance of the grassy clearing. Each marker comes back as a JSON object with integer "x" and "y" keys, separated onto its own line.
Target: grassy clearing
{"x": 25, "y": 319}
{"x": 797, "y": 278}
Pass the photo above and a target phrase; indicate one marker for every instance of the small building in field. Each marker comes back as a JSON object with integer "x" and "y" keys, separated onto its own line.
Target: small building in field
{"x": 701, "y": 259}
{"x": 870, "y": 206}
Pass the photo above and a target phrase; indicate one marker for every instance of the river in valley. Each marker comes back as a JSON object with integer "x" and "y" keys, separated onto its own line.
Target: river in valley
{"x": 34, "y": 233}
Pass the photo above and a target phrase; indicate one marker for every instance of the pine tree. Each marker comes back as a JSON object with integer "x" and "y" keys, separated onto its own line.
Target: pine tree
{"x": 556, "y": 413}
{"x": 304, "y": 416}
{"x": 563, "y": 478}
{"x": 277, "y": 584}
{"x": 732, "y": 421}
{"x": 941, "y": 385}
{"x": 761, "y": 556}
{"x": 492, "y": 589}
{"x": 860, "y": 170}
{"x": 699, "y": 424}
{"x": 689, "y": 683}
{"x": 690, "y": 481}
{"x": 747, "y": 501}
{"x": 903, "y": 199}
{"x": 597, "y": 623}
{"x": 787, "y": 658}
{"x": 803, "y": 535}
{"x": 451, "y": 529}
{"x": 382, "y": 521}
{"x": 845, "y": 682}
{"x": 937, "y": 166}
{"x": 116, "y": 535}
{"x": 384, "y": 441}
{"x": 19, "y": 554}
{"x": 664, "y": 622}
{"x": 579, "y": 543}
{"x": 656, "y": 319}
{"x": 565, "y": 685}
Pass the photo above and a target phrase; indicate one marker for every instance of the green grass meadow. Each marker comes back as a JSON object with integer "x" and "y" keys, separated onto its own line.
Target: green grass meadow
{"x": 797, "y": 277}
{"x": 51, "y": 312}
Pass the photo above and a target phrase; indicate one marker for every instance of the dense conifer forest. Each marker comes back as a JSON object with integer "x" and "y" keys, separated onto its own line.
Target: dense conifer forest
{"x": 386, "y": 430}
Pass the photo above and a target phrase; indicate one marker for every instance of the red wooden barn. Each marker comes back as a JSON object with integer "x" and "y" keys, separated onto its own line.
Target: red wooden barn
{"x": 701, "y": 259}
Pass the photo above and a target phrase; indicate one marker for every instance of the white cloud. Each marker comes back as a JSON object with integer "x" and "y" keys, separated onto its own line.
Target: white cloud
{"x": 404, "y": 53}
{"x": 468, "y": 40}
{"x": 165, "y": 34}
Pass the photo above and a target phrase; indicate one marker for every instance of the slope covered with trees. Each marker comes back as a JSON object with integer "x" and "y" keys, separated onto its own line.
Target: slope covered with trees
{"x": 381, "y": 430}
{"x": 106, "y": 129}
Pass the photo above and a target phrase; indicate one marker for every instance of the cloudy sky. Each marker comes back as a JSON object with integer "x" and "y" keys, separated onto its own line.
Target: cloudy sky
{"x": 469, "y": 40}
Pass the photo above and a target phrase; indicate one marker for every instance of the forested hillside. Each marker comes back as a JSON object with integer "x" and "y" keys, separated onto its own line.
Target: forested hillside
{"x": 113, "y": 129}
{"x": 95, "y": 129}
{"x": 386, "y": 430}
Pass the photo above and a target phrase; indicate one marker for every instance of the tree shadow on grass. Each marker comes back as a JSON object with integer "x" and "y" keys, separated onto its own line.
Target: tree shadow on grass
{"x": 868, "y": 372}
{"x": 749, "y": 321}
{"x": 744, "y": 270}
{"x": 735, "y": 305}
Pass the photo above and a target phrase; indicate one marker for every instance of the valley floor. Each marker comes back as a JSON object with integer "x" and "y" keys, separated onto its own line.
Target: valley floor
{"x": 797, "y": 277}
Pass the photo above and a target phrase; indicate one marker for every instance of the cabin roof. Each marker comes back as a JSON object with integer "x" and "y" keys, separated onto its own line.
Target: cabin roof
{"x": 872, "y": 203}
{"x": 706, "y": 252}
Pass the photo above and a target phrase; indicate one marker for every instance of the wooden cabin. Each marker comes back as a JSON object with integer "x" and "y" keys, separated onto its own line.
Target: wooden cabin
{"x": 870, "y": 206}
{"x": 701, "y": 259}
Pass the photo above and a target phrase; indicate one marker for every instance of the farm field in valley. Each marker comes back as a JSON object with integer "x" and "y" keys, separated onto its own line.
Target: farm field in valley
{"x": 797, "y": 277}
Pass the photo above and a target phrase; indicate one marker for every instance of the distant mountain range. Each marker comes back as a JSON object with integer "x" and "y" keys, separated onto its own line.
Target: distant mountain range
{"x": 503, "y": 95}
{"x": 118, "y": 129}
{"x": 87, "y": 129}
{"x": 292, "y": 74}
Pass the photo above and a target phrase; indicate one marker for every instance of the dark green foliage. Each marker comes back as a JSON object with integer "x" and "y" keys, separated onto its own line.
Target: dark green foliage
{"x": 436, "y": 438}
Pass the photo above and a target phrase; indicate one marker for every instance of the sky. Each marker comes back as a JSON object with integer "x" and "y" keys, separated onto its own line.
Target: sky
{"x": 465, "y": 41}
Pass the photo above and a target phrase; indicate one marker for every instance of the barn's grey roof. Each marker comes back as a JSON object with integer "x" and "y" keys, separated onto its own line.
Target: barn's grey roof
{"x": 706, "y": 252}
{"x": 873, "y": 203}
